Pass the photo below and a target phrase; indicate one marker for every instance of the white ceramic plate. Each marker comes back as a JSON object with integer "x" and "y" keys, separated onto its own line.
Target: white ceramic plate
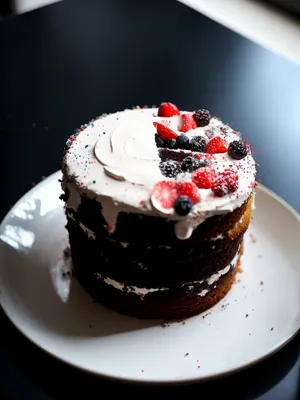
{"x": 259, "y": 315}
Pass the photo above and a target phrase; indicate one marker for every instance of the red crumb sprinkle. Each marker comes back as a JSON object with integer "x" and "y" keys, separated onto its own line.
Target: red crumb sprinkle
{"x": 261, "y": 283}
{"x": 142, "y": 202}
{"x": 186, "y": 354}
{"x": 253, "y": 238}
{"x": 108, "y": 228}
{"x": 183, "y": 322}
{"x": 142, "y": 370}
{"x": 198, "y": 366}
{"x": 163, "y": 325}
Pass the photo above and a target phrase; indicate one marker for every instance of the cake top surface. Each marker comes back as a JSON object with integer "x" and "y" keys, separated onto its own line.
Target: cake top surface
{"x": 185, "y": 166}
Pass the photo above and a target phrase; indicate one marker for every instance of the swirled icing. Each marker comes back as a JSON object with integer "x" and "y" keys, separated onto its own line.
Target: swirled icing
{"x": 114, "y": 159}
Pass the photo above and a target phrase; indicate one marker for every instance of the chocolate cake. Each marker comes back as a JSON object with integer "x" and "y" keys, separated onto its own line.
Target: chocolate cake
{"x": 157, "y": 203}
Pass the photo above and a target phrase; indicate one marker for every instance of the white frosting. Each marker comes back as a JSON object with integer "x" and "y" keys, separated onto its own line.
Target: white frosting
{"x": 144, "y": 291}
{"x": 115, "y": 160}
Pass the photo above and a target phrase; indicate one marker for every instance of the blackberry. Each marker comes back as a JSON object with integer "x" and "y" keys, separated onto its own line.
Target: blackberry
{"x": 183, "y": 142}
{"x": 190, "y": 164}
{"x": 182, "y": 205}
{"x": 202, "y": 117}
{"x": 198, "y": 143}
{"x": 170, "y": 169}
{"x": 158, "y": 140}
{"x": 171, "y": 144}
{"x": 237, "y": 150}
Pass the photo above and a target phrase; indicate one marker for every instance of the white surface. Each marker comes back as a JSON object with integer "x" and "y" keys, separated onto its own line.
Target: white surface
{"x": 22, "y": 6}
{"x": 256, "y": 21}
{"x": 57, "y": 315}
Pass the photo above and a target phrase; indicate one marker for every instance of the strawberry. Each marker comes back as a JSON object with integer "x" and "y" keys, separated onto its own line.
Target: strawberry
{"x": 190, "y": 190}
{"x": 188, "y": 122}
{"x": 167, "y": 110}
{"x": 216, "y": 145}
{"x": 164, "y": 132}
{"x": 225, "y": 183}
{"x": 164, "y": 194}
{"x": 204, "y": 177}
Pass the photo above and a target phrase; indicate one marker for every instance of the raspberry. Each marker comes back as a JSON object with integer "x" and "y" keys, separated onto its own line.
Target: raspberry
{"x": 165, "y": 193}
{"x": 167, "y": 110}
{"x": 188, "y": 123}
{"x": 190, "y": 190}
{"x": 204, "y": 178}
{"x": 216, "y": 145}
{"x": 226, "y": 182}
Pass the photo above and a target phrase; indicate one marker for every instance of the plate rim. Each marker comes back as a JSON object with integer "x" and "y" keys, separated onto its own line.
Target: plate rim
{"x": 143, "y": 381}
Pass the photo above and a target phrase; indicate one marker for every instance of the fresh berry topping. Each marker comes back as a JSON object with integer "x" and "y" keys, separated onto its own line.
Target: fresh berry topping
{"x": 164, "y": 132}
{"x": 216, "y": 145}
{"x": 183, "y": 142}
{"x": 170, "y": 169}
{"x": 171, "y": 144}
{"x": 183, "y": 205}
{"x": 198, "y": 143}
{"x": 190, "y": 164}
{"x": 237, "y": 150}
{"x": 204, "y": 178}
{"x": 202, "y": 117}
{"x": 167, "y": 110}
{"x": 188, "y": 122}
{"x": 164, "y": 194}
{"x": 159, "y": 142}
{"x": 225, "y": 183}
{"x": 189, "y": 189}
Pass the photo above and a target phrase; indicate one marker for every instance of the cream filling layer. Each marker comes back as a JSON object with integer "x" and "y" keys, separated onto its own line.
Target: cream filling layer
{"x": 144, "y": 291}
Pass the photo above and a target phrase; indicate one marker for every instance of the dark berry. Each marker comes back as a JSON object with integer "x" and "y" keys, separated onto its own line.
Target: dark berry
{"x": 158, "y": 140}
{"x": 183, "y": 205}
{"x": 202, "y": 117}
{"x": 237, "y": 150}
{"x": 198, "y": 143}
{"x": 170, "y": 169}
{"x": 190, "y": 164}
{"x": 171, "y": 144}
{"x": 183, "y": 142}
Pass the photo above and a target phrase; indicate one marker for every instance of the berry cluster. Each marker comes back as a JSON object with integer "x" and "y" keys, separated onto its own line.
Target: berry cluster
{"x": 171, "y": 169}
{"x": 180, "y": 196}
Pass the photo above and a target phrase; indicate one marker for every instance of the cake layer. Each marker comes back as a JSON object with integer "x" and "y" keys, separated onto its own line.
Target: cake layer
{"x": 150, "y": 264}
{"x": 175, "y": 303}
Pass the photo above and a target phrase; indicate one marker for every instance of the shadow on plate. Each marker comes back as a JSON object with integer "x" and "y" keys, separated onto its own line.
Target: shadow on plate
{"x": 38, "y": 285}
{"x": 60, "y": 381}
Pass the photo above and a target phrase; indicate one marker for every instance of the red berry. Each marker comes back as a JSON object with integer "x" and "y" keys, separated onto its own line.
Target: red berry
{"x": 167, "y": 110}
{"x": 164, "y": 132}
{"x": 204, "y": 178}
{"x": 225, "y": 183}
{"x": 165, "y": 193}
{"x": 188, "y": 122}
{"x": 190, "y": 190}
{"x": 216, "y": 145}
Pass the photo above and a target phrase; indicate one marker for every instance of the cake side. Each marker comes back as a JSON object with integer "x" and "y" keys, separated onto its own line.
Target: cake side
{"x": 157, "y": 207}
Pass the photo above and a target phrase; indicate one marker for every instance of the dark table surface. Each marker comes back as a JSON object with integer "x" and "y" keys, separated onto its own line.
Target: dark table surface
{"x": 64, "y": 64}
